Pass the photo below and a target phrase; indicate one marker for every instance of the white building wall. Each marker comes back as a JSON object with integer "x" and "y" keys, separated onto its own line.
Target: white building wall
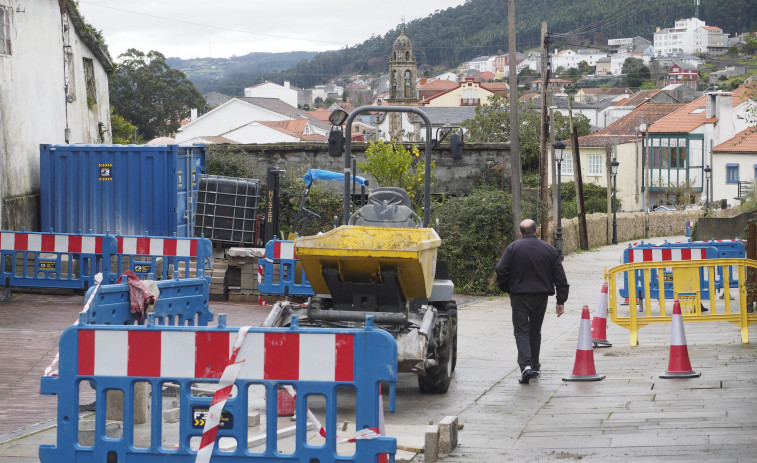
{"x": 271, "y": 90}
{"x": 617, "y": 60}
{"x": 33, "y": 107}
{"x": 230, "y": 115}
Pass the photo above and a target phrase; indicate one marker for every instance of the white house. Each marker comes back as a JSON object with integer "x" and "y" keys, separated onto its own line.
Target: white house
{"x": 239, "y": 112}
{"x": 734, "y": 161}
{"x": 571, "y": 58}
{"x": 680, "y": 144}
{"x": 54, "y": 81}
{"x": 271, "y": 90}
{"x": 482, "y": 64}
{"x": 679, "y": 39}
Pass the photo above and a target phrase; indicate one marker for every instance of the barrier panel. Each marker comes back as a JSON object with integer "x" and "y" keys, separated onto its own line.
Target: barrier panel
{"x": 291, "y": 279}
{"x": 316, "y": 363}
{"x": 54, "y": 260}
{"x": 687, "y": 287}
{"x": 165, "y": 258}
{"x": 680, "y": 251}
{"x": 689, "y": 225}
{"x": 181, "y": 302}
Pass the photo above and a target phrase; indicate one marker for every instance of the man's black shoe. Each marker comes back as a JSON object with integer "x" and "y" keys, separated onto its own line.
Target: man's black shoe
{"x": 526, "y": 376}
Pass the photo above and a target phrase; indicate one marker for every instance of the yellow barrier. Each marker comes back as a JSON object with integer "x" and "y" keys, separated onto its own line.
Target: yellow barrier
{"x": 687, "y": 288}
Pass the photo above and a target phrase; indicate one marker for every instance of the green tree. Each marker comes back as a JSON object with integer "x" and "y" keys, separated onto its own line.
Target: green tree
{"x": 635, "y": 75}
{"x": 562, "y": 125}
{"x": 491, "y": 124}
{"x": 123, "y": 131}
{"x": 154, "y": 97}
{"x": 394, "y": 165}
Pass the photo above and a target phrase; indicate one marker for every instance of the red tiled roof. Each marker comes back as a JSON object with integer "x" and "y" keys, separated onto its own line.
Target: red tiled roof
{"x": 496, "y": 87}
{"x": 744, "y": 142}
{"x": 320, "y": 114}
{"x": 624, "y": 130}
{"x": 293, "y": 127}
{"x": 692, "y": 115}
{"x": 438, "y": 85}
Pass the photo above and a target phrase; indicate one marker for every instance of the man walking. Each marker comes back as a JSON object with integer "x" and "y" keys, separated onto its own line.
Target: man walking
{"x": 530, "y": 270}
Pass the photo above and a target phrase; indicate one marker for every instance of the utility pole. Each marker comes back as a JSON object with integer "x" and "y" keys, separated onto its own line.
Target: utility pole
{"x": 583, "y": 235}
{"x": 515, "y": 177}
{"x": 544, "y": 157}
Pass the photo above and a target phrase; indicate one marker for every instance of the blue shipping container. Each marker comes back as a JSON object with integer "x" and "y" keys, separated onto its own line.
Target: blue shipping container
{"x": 124, "y": 189}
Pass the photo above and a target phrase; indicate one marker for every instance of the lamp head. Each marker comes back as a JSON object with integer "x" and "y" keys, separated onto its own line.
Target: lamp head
{"x": 559, "y": 148}
{"x": 614, "y": 165}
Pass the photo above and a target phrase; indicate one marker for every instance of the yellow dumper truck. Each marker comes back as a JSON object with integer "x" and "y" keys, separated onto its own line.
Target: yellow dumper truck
{"x": 382, "y": 262}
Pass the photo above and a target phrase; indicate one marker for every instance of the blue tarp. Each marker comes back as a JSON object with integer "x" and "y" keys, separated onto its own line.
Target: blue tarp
{"x": 318, "y": 174}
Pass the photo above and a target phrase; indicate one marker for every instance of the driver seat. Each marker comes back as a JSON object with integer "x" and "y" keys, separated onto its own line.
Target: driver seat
{"x": 387, "y": 207}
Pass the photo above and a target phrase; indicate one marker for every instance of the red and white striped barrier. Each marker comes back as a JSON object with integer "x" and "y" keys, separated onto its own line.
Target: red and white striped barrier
{"x": 51, "y": 243}
{"x": 284, "y": 250}
{"x": 664, "y": 255}
{"x": 172, "y": 247}
{"x": 679, "y": 365}
{"x": 204, "y": 354}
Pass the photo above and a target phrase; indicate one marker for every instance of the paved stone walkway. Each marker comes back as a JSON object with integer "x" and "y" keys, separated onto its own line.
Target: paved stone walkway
{"x": 631, "y": 415}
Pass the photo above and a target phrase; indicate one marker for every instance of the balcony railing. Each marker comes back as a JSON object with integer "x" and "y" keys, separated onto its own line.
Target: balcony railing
{"x": 470, "y": 101}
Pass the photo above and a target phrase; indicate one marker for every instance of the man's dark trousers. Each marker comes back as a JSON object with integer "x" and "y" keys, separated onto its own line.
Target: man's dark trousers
{"x": 528, "y": 316}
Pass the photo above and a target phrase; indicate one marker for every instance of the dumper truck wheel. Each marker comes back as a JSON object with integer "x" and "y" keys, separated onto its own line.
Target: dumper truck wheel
{"x": 450, "y": 308}
{"x": 438, "y": 377}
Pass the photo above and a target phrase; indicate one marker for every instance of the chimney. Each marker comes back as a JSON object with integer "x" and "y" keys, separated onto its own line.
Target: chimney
{"x": 725, "y": 129}
{"x": 286, "y": 84}
{"x": 193, "y": 114}
{"x": 710, "y": 105}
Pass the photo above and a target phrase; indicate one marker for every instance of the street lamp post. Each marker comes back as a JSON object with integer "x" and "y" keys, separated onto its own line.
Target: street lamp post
{"x": 559, "y": 148}
{"x": 614, "y": 165}
{"x": 707, "y": 173}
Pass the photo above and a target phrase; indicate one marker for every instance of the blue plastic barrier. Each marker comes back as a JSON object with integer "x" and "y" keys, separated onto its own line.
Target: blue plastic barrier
{"x": 163, "y": 258}
{"x": 181, "y": 302}
{"x": 113, "y": 358}
{"x": 688, "y": 227}
{"x": 291, "y": 280}
{"x": 646, "y": 252}
{"x": 54, "y": 260}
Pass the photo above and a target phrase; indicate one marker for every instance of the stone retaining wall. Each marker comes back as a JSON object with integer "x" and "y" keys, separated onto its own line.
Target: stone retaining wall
{"x": 630, "y": 227}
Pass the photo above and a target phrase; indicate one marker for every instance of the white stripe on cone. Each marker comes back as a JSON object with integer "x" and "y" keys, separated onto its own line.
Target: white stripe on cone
{"x": 583, "y": 369}
{"x": 599, "y": 323}
{"x": 679, "y": 365}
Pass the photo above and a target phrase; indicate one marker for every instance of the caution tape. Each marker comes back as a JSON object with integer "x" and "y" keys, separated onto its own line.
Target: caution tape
{"x": 225, "y": 385}
{"x": 52, "y": 369}
{"x": 362, "y": 434}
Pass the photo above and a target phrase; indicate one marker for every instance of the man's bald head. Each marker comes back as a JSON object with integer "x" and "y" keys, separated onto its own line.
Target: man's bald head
{"x": 528, "y": 227}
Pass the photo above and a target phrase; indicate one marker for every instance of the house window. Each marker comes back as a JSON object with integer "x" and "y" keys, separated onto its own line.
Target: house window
{"x": 89, "y": 77}
{"x": 566, "y": 166}
{"x": 732, "y": 173}
{"x": 5, "y": 31}
{"x": 595, "y": 164}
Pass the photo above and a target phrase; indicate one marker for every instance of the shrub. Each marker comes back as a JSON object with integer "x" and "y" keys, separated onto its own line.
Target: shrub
{"x": 475, "y": 230}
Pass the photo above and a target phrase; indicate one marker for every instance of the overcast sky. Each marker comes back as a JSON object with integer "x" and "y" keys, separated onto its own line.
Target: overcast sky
{"x": 222, "y": 28}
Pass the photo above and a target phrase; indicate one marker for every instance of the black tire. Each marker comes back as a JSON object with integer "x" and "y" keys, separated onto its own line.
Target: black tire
{"x": 437, "y": 378}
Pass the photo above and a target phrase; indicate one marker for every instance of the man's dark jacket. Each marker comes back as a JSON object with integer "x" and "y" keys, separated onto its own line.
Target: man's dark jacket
{"x": 532, "y": 266}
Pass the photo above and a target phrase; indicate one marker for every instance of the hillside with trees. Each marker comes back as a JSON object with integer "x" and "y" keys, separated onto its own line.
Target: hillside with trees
{"x": 448, "y": 37}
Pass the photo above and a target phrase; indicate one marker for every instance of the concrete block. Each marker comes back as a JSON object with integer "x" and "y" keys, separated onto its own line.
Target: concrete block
{"x": 171, "y": 415}
{"x": 253, "y": 419}
{"x": 431, "y": 446}
{"x": 447, "y": 434}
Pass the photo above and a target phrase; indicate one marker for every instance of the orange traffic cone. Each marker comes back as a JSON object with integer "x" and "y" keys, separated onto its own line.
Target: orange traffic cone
{"x": 583, "y": 369}
{"x": 599, "y": 323}
{"x": 679, "y": 365}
